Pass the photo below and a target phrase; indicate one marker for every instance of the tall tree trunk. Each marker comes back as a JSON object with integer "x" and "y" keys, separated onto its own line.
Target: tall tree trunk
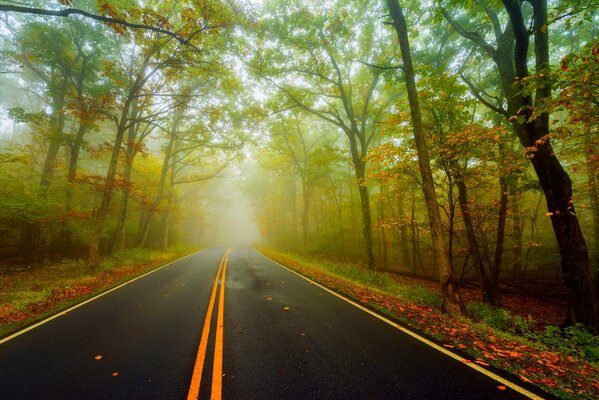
{"x": 145, "y": 223}
{"x": 305, "y": 210}
{"x": 486, "y": 283}
{"x": 168, "y": 210}
{"x": 340, "y": 220}
{"x": 118, "y": 242}
{"x": 452, "y": 301}
{"x": 102, "y": 211}
{"x": 385, "y": 255}
{"x": 517, "y": 226}
{"x": 500, "y": 233}
{"x": 366, "y": 214}
{"x": 555, "y": 182}
{"x": 30, "y": 231}
{"x": 403, "y": 233}
{"x": 67, "y": 234}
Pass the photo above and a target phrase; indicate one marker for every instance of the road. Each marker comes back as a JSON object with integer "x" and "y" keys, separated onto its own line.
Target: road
{"x": 278, "y": 336}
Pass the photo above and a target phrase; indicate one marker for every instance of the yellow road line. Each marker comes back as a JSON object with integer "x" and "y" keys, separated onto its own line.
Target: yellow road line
{"x": 476, "y": 367}
{"x": 68, "y": 310}
{"x": 217, "y": 369}
{"x": 194, "y": 389}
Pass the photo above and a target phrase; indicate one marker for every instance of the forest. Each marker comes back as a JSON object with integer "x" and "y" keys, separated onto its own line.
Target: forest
{"x": 455, "y": 141}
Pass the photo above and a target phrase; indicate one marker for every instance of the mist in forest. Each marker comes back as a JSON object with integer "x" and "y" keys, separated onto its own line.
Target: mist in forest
{"x": 232, "y": 218}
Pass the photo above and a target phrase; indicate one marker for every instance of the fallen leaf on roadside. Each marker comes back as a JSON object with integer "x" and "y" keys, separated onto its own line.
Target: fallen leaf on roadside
{"x": 481, "y": 362}
{"x": 449, "y": 346}
{"x": 98, "y": 357}
{"x": 115, "y": 374}
{"x": 285, "y": 308}
{"x": 269, "y": 298}
{"x": 501, "y": 387}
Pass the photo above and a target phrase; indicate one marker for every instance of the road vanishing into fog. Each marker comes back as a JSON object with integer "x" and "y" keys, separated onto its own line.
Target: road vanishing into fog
{"x": 174, "y": 334}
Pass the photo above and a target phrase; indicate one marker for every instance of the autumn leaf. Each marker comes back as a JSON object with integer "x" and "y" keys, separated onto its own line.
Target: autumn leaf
{"x": 285, "y": 308}
{"x": 115, "y": 374}
{"x": 98, "y": 357}
{"x": 501, "y": 387}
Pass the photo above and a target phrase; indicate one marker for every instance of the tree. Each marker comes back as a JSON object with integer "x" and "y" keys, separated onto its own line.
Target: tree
{"x": 531, "y": 125}
{"x": 452, "y": 301}
{"x": 314, "y": 69}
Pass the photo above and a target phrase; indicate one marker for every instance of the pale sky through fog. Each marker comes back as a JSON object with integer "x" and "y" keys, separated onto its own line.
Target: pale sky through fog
{"x": 232, "y": 216}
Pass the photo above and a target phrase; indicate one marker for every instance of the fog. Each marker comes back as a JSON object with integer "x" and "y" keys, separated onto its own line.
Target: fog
{"x": 231, "y": 215}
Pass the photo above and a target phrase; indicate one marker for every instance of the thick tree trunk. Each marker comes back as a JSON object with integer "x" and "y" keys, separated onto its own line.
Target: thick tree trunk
{"x": 366, "y": 213}
{"x": 452, "y": 301}
{"x": 555, "y": 182}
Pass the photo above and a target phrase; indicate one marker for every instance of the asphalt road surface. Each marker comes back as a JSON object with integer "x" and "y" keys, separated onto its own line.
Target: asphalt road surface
{"x": 278, "y": 336}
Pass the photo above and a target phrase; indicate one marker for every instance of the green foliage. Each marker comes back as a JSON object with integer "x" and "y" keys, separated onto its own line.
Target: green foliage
{"x": 420, "y": 295}
{"x": 573, "y": 340}
{"x": 134, "y": 256}
{"x": 499, "y": 318}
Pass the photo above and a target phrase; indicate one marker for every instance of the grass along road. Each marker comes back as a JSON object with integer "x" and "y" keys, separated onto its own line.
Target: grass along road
{"x": 29, "y": 295}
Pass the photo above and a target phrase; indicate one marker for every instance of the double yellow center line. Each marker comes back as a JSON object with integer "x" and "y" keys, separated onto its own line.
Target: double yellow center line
{"x": 217, "y": 368}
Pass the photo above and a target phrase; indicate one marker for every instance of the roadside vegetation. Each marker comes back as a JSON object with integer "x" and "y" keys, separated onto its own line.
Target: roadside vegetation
{"x": 564, "y": 363}
{"x": 31, "y": 293}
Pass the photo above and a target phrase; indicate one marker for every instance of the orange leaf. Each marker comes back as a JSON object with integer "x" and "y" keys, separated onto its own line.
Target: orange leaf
{"x": 501, "y": 387}
{"x": 115, "y": 374}
{"x": 98, "y": 357}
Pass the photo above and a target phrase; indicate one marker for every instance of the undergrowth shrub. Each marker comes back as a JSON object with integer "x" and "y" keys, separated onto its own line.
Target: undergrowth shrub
{"x": 499, "y": 318}
{"x": 573, "y": 340}
{"x": 420, "y": 295}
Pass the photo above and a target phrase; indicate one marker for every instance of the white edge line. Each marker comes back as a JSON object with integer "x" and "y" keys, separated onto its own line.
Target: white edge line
{"x": 416, "y": 336}
{"x": 64, "y": 312}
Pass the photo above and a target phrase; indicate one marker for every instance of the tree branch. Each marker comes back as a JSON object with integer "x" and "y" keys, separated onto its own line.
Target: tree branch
{"x": 476, "y": 93}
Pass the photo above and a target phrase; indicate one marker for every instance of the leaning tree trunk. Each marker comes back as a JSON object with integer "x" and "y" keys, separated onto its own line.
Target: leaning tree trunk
{"x": 555, "y": 182}
{"x": 452, "y": 301}
{"x": 102, "y": 211}
{"x": 67, "y": 233}
{"x": 489, "y": 293}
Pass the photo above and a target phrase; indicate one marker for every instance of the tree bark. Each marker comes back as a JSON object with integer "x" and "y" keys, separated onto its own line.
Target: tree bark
{"x": 452, "y": 301}
{"x": 487, "y": 284}
{"x": 118, "y": 242}
{"x": 554, "y": 180}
